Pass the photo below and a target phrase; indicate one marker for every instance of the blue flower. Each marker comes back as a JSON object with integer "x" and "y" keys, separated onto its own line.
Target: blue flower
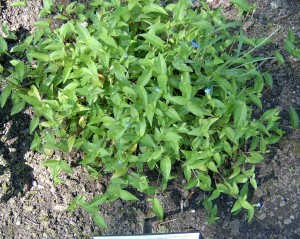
{"x": 192, "y": 1}
{"x": 55, "y": 128}
{"x": 259, "y": 205}
{"x": 119, "y": 163}
{"x": 125, "y": 55}
{"x": 194, "y": 44}
{"x": 157, "y": 89}
{"x": 127, "y": 125}
{"x": 207, "y": 90}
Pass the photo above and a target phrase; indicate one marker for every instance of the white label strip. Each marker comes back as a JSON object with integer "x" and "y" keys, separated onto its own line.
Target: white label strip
{"x": 191, "y": 235}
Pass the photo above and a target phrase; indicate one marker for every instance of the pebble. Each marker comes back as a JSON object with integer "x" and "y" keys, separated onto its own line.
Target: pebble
{"x": 282, "y": 203}
{"x": 274, "y": 5}
{"x": 294, "y": 206}
{"x": 262, "y": 216}
{"x": 287, "y": 221}
{"x": 18, "y": 223}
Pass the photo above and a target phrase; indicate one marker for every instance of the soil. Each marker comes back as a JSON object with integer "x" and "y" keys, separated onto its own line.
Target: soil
{"x": 32, "y": 207}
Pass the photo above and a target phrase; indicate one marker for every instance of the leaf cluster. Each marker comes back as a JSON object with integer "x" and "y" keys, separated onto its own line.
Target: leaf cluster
{"x": 138, "y": 87}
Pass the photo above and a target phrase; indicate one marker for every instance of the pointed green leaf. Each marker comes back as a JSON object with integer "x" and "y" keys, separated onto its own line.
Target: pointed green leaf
{"x": 65, "y": 167}
{"x": 144, "y": 78}
{"x": 4, "y": 95}
{"x": 173, "y": 114}
{"x": 125, "y": 195}
{"x": 153, "y": 40}
{"x": 289, "y": 46}
{"x": 255, "y": 157}
{"x": 3, "y": 45}
{"x": 294, "y": 118}
{"x": 279, "y": 57}
{"x": 161, "y": 66}
{"x": 241, "y": 4}
{"x": 240, "y": 113}
{"x": 18, "y": 107}
{"x": 165, "y": 167}
{"x": 157, "y": 208}
{"x": 36, "y": 141}
{"x": 71, "y": 141}
{"x": 40, "y": 56}
{"x": 34, "y": 123}
{"x": 154, "y": 8}
{"x": 99, "y": 220}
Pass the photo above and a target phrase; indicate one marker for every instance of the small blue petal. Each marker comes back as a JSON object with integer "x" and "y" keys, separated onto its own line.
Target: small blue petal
{"x": 194, "y": 44}
{"x": 259, "y": 205}
{"x": 156, "y": 89}
{"x": 125, "y": 55}
{"x": 192, "y": 1}
{"x": 119, "y": 163}
{"x": 127, "y": 125}
{"x": 55, "y": 128}
{"x": 207, "y": 90}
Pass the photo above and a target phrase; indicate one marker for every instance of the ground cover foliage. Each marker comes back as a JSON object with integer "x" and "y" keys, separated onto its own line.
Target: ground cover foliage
{"x": 138, "y": 87}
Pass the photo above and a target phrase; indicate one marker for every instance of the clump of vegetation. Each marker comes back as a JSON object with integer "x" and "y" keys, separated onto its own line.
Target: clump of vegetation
{"x": 137, "y": 87}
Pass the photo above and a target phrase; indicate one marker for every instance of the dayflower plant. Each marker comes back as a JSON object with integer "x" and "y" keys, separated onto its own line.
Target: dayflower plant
{"x": 128, "y": 84}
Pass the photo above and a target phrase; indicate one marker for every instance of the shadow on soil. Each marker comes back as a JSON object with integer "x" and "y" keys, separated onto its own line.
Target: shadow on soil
{"x": 13, "y": 146}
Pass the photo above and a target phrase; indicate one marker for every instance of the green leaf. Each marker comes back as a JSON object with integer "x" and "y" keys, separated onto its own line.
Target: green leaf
{"x": 255, "y": 99}
{"x": 142, "y": 128}
{"x": 154, "y": 8}
{"x": 161, "y": 66}
{"x": 255, "y": 157}
{"x": 237, "y": 206}
{"x": 82, "y": 32}
{"x": 229, "y": 132}
{"x": 187, "y": 173}
{"x": 173, "y": 114}
{"x": 269, "y": 114}
{"x": 249, "y": 208}
{"x": 4, "y": 95}
{"x": 144, "y": 78}
{"x": 241, "y": 4}
{"x": 143, "y": 95}
{"x": 33, "y": 124}
{"x": 40, "y": 56}
{"x": 291, "y": 35}
{"x": 18, "y": 4}
{"x": 71, "y": 141}
{"x": 269, "y": 79}
{"x": 194, "y": 109}
{"x": 253, "y": 182}
{"x": 99, "y": 220}
{"x": 165, "y": 166}
{"x": 18, "y": 107}
{"x": 162, "y": 81}
{"x": 157, "y": 208}
{"x": 36, "y": 141}
{"x": 3, "y": 45}
{"x": 65, "y": 167}
{"x": 294, "y": 118}
{"x": 212, "y": 166}
{"x": 240, "y": 113}
{"x": 185, "y": 85}
{"x": 154, "y": 40}
{"x": 235, "y": 172}
{"x": 125, "y": 195}
{"x": 52, "y": 163}
{"x": 108, "y": 40}
{"x": 279, "y": 57}
{"x": 289, "y": 46}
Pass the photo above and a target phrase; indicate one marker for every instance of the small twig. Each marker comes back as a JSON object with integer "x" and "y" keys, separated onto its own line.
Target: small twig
{"x": 161, "y": 223}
